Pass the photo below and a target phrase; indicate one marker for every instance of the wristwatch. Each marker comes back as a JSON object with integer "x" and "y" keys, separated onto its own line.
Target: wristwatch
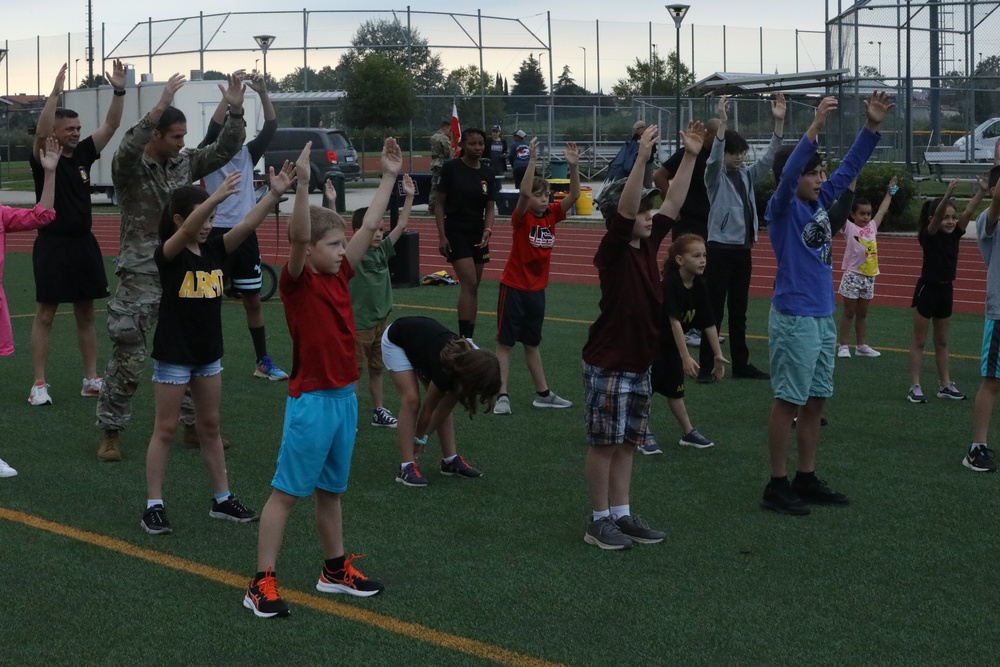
{"x": 119, "y": 93}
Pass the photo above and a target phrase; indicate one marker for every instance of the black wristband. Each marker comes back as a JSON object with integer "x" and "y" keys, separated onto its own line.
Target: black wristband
{"x": 238, "y": 116}
{"x": 119, "y": 93}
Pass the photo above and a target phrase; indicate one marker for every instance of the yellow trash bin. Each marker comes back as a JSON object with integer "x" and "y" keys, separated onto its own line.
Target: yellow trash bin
{"x": 585, "y": 204}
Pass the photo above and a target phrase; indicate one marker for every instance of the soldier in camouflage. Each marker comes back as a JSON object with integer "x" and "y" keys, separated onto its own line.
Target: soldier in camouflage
{"x": 149, "y": 164}
{"x": 440, "y": 153}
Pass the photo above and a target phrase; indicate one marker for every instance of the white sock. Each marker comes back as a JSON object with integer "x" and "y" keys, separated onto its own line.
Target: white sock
{"x": 976, "y": 445}
{"x": 154, "y": 502}
{"x": 402, "y": 466}
{"x": 601, "y": 514}
{"x": 449, "y": 459}
{"x": 618, "y": 511}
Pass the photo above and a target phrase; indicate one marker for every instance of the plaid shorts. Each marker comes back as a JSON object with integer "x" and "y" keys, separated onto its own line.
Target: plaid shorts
{"x": 617, "y": 405}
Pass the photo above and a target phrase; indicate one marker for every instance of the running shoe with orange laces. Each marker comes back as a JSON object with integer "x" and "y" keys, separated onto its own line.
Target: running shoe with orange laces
{"x": 348, "y": 580}
{"x": 262, "y": 596}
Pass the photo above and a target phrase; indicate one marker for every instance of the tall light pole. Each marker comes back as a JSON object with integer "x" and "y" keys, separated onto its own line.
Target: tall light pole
{"x": 879, "y": 57}
{"x": 677, "y": 13}
{"x": 264, "y": 42}
{"x": 584, "y": 66}
{"x": 540, "y": 54}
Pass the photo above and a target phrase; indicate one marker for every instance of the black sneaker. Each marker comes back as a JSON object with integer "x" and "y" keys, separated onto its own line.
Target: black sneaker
{"x": 348, "y": 580}
{"x": 636, "y": 529}
{"x": 411, "y": 476}
{"x": 751, "y": 372}
{"x": 980, "y": 459}
{"x": 816, "y": 491}
{"x": 782, "y": 499}
{"x": 262, "y": 597}
{"x": 705, "y": 378}
{"x": 458, "y": 466}
{"x": 233, "y": 510}
{"x": 605, "y": 534}
{"x": 822, "y": 421}
{"x": 154, "y": 521}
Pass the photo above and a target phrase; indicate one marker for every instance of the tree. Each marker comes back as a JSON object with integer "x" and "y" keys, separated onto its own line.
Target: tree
{"x": 658, "y": 81}
{"x": 566, "y": 85}
{"x": 464, "y": 85}
{"x": 374, "y": 80}
{"x": 213, "y": 75}
{"x": 529, "y": 87}
{"x": 87, "y": 82}
{"x": 869, "y": 72}
{"x": 987, "y": 96}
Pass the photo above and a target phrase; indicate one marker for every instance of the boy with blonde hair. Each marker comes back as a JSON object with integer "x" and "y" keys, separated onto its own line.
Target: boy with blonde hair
{"x": 321, "y": 412}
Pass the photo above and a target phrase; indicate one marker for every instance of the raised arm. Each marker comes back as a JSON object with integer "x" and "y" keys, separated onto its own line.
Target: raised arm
{"x": 48, "y": 157}
{"x": 189, "y": 229}
{"x": 299, "y": 233}
{"x": 47, "y": 119}
{"x": 692, "y": 140}
{"x": 883, "y": 208}
{"x": 993, "y": 212}
{"x": 526, "y": 181}
{"x": 259, "y": 144}
{"x": 404, "y": 215}
{"x": 206, "y": 160}
{"x": 572, "y": 157}
{"x": 980, "y": 188}
{"x": 778, "y": 107}
{"x": 278, "y": 183}
{"x": 392, "y": 163}
{"x": 113, "y": 120}
{"x": 631, "y": 196}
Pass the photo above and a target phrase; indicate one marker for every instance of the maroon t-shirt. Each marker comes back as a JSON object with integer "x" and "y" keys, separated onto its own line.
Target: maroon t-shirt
{"x": 626, "y": 335}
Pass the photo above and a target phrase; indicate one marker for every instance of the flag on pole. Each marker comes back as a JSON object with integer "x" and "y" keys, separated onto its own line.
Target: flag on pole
{"x": 456, "y": 130}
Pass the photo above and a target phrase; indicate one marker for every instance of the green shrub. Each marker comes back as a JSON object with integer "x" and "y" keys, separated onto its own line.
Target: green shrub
{"x": 872, "y": 182}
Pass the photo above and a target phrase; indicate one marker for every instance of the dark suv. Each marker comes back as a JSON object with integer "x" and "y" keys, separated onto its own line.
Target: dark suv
{"x": 331, "y": 149}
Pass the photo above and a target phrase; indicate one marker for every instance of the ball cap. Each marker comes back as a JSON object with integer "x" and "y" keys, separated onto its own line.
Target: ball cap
{"x": 496, "y": 127}
{"x": 639, "y": 124}
{"x": 607, "y": 200}
{"x": 520, "y": 134}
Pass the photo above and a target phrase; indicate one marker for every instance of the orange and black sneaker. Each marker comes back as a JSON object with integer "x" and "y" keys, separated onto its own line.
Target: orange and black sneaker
{"x": 262, "y": 596}
{"x": 348, "y": 580}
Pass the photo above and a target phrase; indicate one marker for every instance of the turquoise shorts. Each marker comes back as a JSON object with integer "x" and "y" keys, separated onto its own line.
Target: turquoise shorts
{"x": 991, "y": 350}
{"x": 317, "y": 442}
{"x": 802, "y": 356}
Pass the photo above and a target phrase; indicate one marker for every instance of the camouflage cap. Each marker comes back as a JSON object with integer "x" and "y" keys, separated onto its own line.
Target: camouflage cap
{"x": 611, "y": 193}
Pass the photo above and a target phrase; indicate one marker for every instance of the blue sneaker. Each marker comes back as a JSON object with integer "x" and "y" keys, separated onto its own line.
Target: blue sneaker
{"x": 267, "y": 370}
{"x": 650, "y": 449}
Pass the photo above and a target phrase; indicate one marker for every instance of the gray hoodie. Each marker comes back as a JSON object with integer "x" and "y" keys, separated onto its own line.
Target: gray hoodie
{"x": 726, "y": 223}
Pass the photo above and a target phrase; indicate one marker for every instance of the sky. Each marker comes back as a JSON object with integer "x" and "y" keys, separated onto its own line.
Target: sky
{"x": 624, "y": 36}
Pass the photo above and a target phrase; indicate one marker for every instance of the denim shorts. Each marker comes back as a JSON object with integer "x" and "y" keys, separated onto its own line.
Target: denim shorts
{"x": 167, "y": 373}
{"x": 802, "y": 356}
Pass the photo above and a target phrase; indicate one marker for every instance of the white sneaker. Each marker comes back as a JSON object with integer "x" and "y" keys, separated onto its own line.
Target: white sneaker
{"x": 693, "y": 338}
{"x": 92, "y": 388}
{"x": 551, "y": 401}
{"x": 502, "y": 406}
{"x": 866, "y": 351}
{"x": 843, "y": 352}
{"x": 6, "y": 470}
{"x": 40, "y": 395}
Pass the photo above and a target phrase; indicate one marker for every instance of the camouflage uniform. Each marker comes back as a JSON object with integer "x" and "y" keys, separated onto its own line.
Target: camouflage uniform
{"x": 440, "y": 153}
{"x": 143, "y": 187}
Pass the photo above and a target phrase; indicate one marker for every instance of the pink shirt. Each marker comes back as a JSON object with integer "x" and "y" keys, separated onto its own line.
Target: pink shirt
{"x": 861, "y": 255}
{"x": 16, "y": 220}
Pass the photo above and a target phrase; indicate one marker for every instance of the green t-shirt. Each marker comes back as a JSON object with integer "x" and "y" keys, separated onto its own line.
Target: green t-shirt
{"x": 371, "y": 286}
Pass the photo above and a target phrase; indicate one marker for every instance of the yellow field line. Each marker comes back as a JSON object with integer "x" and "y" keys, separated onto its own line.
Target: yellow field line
{"x": 564, "y": 320}
{"x": 349, "y": 612}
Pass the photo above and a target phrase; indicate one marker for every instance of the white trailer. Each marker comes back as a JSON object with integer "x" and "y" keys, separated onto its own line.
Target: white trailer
{"x": 197, "y": 99}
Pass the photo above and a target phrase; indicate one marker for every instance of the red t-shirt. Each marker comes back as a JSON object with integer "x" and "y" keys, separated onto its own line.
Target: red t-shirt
{"x": 533, "y": 237}
{"x": 320, "y": 321}
{"x": 626, "y": 335}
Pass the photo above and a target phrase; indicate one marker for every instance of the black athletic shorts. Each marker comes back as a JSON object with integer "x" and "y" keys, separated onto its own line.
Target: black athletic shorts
{"x": 243, "y": 264}
{"x": 68, "y": 269}
{"x": 519, "y": 316}
{"x": 933, "y": 300}
{"x": 668, "y": 373}
{"x": 463, "y": 244}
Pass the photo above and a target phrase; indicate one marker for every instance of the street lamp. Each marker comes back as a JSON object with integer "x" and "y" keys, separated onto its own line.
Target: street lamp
{"x": 540, "y": 54}
{"x": 76, "y": 70}
{"x": 677, "y": 13}
{"x": 879, "y": 57}
{"x": 584, "y": 65}
{"x": 264, "y": 42}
